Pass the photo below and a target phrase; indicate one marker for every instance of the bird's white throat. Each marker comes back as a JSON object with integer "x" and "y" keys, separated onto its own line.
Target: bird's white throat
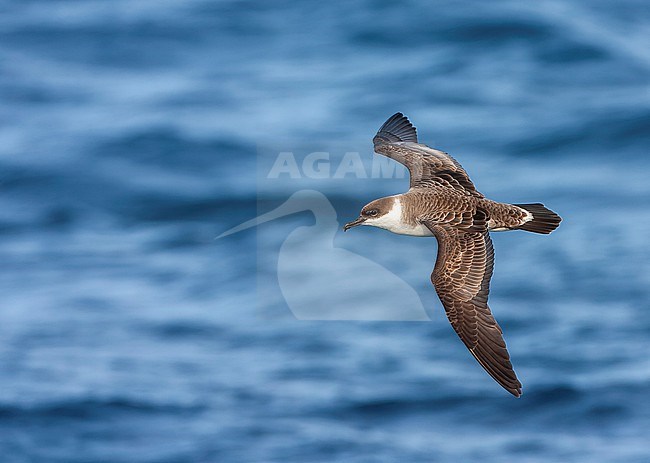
{"x": 392, "y": 221}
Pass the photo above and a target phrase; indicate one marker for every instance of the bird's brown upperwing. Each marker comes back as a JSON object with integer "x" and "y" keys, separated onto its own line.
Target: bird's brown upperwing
{"x": 397, "y": 139}
{"x": 461, "y": 277}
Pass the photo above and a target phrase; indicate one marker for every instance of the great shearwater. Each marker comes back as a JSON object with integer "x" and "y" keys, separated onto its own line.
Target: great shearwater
{"x": 443, "y": 202}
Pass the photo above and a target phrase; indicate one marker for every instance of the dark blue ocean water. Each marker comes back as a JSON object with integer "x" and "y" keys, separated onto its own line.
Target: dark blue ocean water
{"x": 132, "y": 133}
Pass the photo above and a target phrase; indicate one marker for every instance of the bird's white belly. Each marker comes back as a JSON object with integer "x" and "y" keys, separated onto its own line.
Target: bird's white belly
{"x": 406, "y": 229}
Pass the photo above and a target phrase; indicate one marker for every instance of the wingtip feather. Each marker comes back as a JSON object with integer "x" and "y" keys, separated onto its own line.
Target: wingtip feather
{"x": 396, "y": 129}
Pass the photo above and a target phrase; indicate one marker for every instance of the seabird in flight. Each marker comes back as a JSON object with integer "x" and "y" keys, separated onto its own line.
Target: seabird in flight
{"x": 443, "y": 202}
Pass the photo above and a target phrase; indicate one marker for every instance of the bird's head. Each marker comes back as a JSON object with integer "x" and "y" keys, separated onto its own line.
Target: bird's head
{"x": 375, "y": 213}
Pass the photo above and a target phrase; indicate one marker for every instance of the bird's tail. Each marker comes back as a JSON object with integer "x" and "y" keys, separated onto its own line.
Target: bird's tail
{"x": 544, "y": 220}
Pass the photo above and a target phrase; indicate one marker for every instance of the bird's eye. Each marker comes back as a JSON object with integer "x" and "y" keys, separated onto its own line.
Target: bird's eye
{"x": 372, "y": 212}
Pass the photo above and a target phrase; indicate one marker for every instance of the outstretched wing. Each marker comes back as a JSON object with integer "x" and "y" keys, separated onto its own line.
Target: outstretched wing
{"x": 462, "y": 280}
{"x": 397, "y": 139}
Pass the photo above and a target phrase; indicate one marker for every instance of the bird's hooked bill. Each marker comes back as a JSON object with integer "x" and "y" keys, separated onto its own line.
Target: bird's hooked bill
{"x": 354, "y": 223}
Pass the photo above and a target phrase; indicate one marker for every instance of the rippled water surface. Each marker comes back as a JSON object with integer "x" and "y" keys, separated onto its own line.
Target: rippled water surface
{"x": 133, "y": 133}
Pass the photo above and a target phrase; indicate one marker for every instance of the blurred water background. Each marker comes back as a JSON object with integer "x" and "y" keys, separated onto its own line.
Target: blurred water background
{"x": 131, "y": 135}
